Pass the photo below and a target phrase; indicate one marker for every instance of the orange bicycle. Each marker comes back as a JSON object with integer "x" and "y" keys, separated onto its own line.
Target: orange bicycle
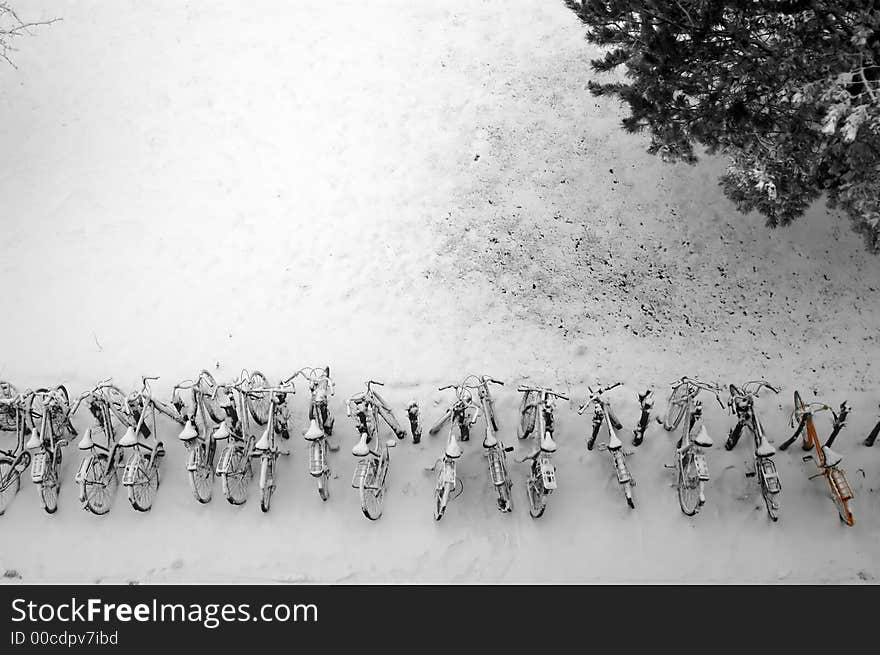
{"x": 826, "y": 460}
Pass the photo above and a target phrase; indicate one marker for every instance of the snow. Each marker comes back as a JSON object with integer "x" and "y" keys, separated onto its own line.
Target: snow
{"x": 409, "y": 192}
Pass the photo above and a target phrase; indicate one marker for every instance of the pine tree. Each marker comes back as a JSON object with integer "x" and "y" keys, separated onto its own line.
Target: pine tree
{"x": 788, "y": 91}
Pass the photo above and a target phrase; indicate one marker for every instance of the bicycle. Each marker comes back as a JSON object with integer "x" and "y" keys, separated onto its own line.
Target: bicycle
{"x": 494, "y": 449}
{"x": 742, "y": 402}
{"x": 320, "y": 426}
{"x": 48, "y": 442}
{"x": 537, "y": 416}
{"x": 201, "y": 420}
{"x": 646, "y": 402}
{"x": 141, "y": 473}
{"x": 447, "y": 484}
{"x": 266, "y": 447}
{"x": 372, "y": 467}
{"x": 690, "y": 461}
{"x": 603, "y": 414}
{"x": 826, "y": 460}
{"x": 415, "y": 425}
{"x": 234, "y": 466}
{"x": 14, "y": 417}
{"x": 872, "y": 435}
{"x": 98, "y": 473}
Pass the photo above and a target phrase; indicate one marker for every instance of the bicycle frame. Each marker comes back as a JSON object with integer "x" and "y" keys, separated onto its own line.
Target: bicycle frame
{"x": 105, "y": 412}
{"x": 14, "y": 462}
{"x": 241, "y": 442}
{"x": 742, "y": 403}
{"x": 542, "y": 472}
{"x": 690, "y": 460}
{"x": 372, "y": 468}
{"x": 447, "y": 478}
{"x": 603, "y": 414}
{"x": 47, "y": 445}
{"x": 835, "y": 477}
{"x": 198, "y": 433}
{"x": 320, "y": 425}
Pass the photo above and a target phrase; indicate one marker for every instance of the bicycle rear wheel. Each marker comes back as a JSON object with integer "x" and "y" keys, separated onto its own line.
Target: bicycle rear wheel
{"x": 324, "y": 485}
{"x": 676, "y": 407}
{"x": 236, "y": 481}
{"x": 51, "y": 484}
{"x": 267, "y": 480}
{"x": 372, "y": 492}
{"x": 505, "y": 499}
{"x": 441, "y": 495}
{"x": 142, "y": 493}
{"x": 10, "y": 483}
{"x": 688, "y": 485}
{"x": 844, "y": 505}
{"x": 770, "y": 502}
{"x": 628, "y": 492}
{"x": 537, "y": 498}
{"x": 201, "y": 480}
{"x": 99, "y": 485}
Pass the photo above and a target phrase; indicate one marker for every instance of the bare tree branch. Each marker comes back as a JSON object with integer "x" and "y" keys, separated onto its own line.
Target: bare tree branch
{"x": 12, "y": 27}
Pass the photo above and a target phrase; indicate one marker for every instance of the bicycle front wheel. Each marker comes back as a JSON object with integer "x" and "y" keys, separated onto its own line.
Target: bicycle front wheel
{"x": 676, "y": 407}
{"x": 688, "y": 485}
{"x": 142, "y": 493}
{"x": 10, "y": 483}
{"x": 258, "y": 404}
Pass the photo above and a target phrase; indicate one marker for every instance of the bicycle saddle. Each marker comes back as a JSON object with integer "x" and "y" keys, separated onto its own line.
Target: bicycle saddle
{"x": 703, "y": 439}
{"x": 361, "y": 449}
{"x": 831, "y": 458}
{"x": 490, "y": 441}
{"x": 314, "y": 432}
{"x": 86, "y": 442}
{"x": 263, "y": 443}
{"x": 222, "y": 431}
{"x": 189, "y": 432}
{"x": 613, "y": 442}
{"x": 764, "y": 449}
{"x": 34, "y": 441}
{"x": 547, "y": 443}
{"x": 129, "y": 438}
{"x": 453, "y": 450}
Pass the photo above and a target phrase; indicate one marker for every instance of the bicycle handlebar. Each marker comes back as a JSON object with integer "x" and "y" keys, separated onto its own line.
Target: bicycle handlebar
{"x": 523, "y": 389}
{"x": 281, "y": 389}
{"x": 759, "y": 384}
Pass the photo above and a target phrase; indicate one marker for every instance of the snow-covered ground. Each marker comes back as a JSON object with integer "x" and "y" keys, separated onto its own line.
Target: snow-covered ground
{"x": 409, "y": 192}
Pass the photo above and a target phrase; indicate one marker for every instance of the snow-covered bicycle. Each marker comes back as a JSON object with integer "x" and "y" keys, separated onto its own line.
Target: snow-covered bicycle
{"x": 692, "y": 470}
{"x": 537, "y": 418}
